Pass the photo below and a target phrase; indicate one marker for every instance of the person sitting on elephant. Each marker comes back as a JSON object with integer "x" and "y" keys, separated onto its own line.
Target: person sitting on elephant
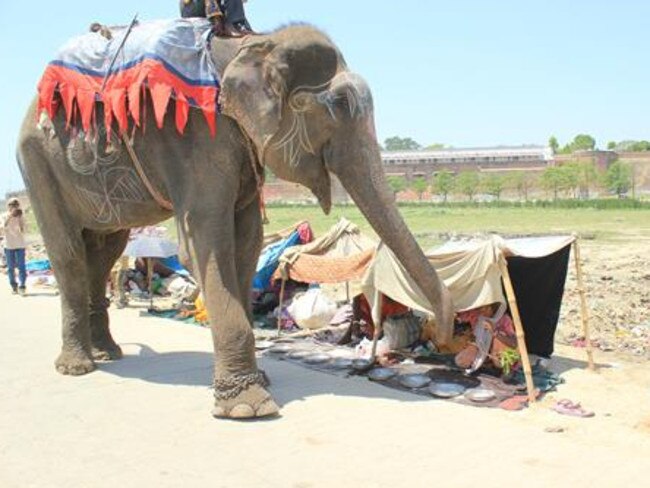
{"x": 227, "y": 16}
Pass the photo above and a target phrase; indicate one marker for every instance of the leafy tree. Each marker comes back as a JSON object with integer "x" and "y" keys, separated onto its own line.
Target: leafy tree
{"x": 570, "y": 176}
{"x": 435, "y": 146}
{"x": 581, "y": 142}
{"x": 611, "y": 145}
{"x": 443, "y": 184}
{"x": 397, "y": 183}
{"x": 553, "y": 144}
{"x": 552, "y": 180}
{"x": 467, "y": 183}
{"x": 522, "y": 181}
{"x": 618, "y": 178}
{"x": 396, "y": 143}
{"x": 581, "y": 175}
{"x": 493, "y": 185}
{"x": 419, "y": 186}
{"x": 641, "y": 146}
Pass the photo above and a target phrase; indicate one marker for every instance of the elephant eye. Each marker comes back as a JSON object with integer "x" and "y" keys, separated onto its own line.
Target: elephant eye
{"x": 343, "y": 103}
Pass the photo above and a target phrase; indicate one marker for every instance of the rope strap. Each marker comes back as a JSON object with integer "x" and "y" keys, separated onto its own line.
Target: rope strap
{"x": 160, "y": 200}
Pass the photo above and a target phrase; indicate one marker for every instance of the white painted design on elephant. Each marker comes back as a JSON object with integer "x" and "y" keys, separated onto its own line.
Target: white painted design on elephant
{"x": 119, "y": 185}
{"x": 110, "y": 186}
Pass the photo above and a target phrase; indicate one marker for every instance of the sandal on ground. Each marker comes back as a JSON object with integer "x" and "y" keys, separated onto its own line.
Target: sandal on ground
{"x": 567, "y": 407}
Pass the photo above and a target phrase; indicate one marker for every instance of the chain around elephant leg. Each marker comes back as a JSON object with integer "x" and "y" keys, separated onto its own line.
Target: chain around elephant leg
{"x": 243, "y": 396}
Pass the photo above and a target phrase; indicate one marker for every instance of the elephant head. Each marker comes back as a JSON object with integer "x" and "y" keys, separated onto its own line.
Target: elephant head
{"x": 307, "y": 116}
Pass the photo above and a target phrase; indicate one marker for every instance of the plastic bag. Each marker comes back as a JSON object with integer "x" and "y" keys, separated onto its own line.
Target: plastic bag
{"x": 312, "y": 310}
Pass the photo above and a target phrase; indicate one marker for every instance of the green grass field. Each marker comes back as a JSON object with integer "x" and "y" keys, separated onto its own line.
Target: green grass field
{"x": 430, "y": 224}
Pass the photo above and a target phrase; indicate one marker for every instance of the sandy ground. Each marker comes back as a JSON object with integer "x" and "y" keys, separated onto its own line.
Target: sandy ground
{"x": 144, "y": 421}
{"x": 617, "y": 280}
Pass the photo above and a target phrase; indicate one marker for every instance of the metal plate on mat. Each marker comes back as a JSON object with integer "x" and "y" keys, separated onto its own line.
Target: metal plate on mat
{"x": 341, "y": 363}
{"x": 381, "y": 374}
{"x": 299, "y": 354}
{"x": 361, "y": 364}
{"x": 446, "y": 390}
{"x": 414, "y": 381}
{"x": 480, "y": 395}
{"x": 280, "y": 349}
{"x": 318, "y": 358}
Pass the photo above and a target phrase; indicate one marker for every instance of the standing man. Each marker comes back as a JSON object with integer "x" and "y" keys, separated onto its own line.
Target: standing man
{"x": 13, "y": 225}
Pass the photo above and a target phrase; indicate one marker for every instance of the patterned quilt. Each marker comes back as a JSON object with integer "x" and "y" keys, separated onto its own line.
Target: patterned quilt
{"x": 164, "y": 58}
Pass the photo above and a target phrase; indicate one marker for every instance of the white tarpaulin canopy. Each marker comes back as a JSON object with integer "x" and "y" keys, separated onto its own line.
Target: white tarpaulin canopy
{"x": 469, "y": 269}
{"x": 145, "y": 246}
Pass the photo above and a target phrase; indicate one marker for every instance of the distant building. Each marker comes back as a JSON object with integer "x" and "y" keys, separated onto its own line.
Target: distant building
{"x": 601, "y": 159}
{"x": 489, "y": 159}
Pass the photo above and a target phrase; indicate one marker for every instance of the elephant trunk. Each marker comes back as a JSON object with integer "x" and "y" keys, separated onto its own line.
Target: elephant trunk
{"x": 363, "y": 178}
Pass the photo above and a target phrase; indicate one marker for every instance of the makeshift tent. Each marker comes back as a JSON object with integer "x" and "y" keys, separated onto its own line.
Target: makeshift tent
{"x": 269, "y": 258}
{"x": 476, "y": 273}
{"x": 342, "y": 255}
{"x": 282, "y": 234}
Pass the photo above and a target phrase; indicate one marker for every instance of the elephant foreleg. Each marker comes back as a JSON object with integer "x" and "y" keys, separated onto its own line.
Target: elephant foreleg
{"x": 239, "y": 386}
{"x": 248, "y": 244}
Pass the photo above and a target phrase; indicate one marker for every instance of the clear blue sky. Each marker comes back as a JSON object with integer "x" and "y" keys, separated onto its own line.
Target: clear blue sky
{"x": 459, "y": 72}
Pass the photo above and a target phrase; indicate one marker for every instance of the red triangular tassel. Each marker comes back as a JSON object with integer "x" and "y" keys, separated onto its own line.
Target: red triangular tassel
{"x": 182, "y": 112}
{"x": 134, "y": 103}
{"x": 117, "y": 99}
{"x": 68, "y": 94}
{"x": 160, "y": 94}
{"x": 86, "y": 104}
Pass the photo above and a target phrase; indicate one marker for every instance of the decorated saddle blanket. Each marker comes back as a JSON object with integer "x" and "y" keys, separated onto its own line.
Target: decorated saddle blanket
{"x": 168, "y": 59}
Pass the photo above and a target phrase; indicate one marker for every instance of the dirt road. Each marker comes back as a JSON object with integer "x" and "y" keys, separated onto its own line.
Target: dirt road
{"x": 144, "y": 421}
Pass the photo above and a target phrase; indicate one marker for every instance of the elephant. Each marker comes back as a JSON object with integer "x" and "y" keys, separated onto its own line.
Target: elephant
{"x": 289, "y": 102}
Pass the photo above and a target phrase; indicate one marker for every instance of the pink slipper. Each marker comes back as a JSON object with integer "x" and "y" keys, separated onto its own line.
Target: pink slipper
{"x": 567, "y": 407}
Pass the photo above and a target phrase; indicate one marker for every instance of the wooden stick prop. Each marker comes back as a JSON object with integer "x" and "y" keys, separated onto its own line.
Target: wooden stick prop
{"x": 280, "y": 307}
{"x": 521, "y": 339}
{"x": 376, "y": 318}
{"x": 584, "y": 313}
{"x": 150, "y": 280}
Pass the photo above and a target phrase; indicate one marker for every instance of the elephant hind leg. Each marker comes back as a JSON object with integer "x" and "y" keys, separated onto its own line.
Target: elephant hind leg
{"x": 102, "y": 251}
{"x": 67, "y": 253}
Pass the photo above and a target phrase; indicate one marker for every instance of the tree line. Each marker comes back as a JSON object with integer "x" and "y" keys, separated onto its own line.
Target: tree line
{"x": 581, "y": 142}
{"x": 573, "y": 179}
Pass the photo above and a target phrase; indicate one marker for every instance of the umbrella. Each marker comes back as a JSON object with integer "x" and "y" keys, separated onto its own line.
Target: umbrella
{"x": 148, "y": 247}
{"x": 151, "y": 247}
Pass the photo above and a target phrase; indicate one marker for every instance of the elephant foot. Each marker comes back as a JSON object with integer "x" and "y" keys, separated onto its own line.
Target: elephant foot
{"x": 243, "y": 397}
{"x": 106, "y": 352}
{"x": 74, "y": 364}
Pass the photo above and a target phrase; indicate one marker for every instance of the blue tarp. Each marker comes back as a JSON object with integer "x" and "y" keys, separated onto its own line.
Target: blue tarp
{"x": 175, "y": 265}
{"x": 269, "y": 260}
{"x": 38, "y": 265}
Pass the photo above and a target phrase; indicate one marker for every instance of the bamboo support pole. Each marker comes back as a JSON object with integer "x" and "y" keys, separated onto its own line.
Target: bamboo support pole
{"x": 376, "y": 318}
{"x": 280, "y": 307}
{"x": 584, "y": 312}
{"x": 150, "y": 280}
{"x": 521, "y": 338}
{"x": 347, "y": 291}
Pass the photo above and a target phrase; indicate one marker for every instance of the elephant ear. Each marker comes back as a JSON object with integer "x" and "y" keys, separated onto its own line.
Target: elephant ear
{"x": 252, "y": 90}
